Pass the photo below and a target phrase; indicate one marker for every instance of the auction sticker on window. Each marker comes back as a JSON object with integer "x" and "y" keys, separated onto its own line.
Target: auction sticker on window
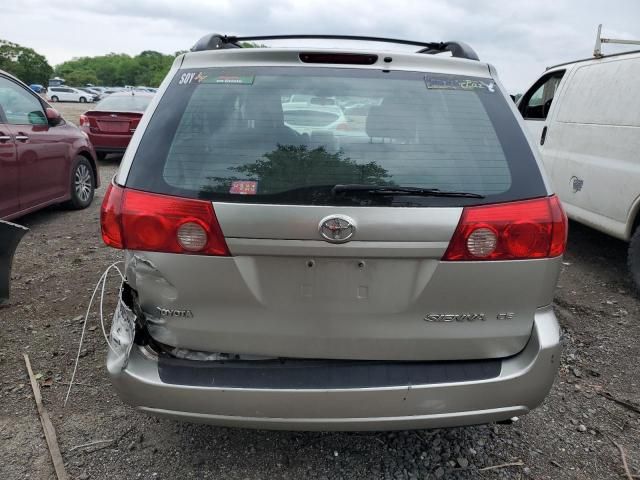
{"x": 232, "y": 79}
{"x": 244, "y": 187}
{"x": 449, "y": 83}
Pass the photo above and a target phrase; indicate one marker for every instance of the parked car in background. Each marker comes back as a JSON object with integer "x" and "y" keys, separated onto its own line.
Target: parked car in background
{"x": 145, "y": 89}
{"x": 36, "y": 87}
{"x": 95, "y": 96}
{"x": 585, "y": 118}
{"x": 402, "y": 280}
{"x": 56, "y": 82}
{"x": 68, "y": 94}
{"x": 95, "y": 88}
{"x": 43, "y": 159}
{"x": 110, "y": 90}
{"x": 311, "y": 118}
{"x": 113, "y": 121}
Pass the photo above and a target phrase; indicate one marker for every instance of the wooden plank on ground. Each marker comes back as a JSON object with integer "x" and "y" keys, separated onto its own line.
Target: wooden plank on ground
{"x": 47, "y": 426}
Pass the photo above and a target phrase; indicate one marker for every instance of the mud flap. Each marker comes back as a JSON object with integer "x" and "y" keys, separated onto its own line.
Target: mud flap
{"x": 10, "y": 235}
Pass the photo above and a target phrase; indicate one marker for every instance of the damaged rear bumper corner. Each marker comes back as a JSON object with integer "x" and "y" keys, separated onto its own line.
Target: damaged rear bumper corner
{"x": 522, "y": 384}
{"x": 10, "y": 235}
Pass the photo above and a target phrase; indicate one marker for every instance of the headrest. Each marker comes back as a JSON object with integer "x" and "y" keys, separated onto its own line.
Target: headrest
{"x": 392, "y": 119}
{"x": 264, "y": 111}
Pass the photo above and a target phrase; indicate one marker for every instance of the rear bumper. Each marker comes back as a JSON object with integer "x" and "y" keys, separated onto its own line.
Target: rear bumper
{"x": 522, "y": 384}
{"x": 114, "y": 143}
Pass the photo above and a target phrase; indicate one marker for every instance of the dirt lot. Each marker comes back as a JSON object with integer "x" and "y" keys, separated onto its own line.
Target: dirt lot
{"x": 571, "y": 436}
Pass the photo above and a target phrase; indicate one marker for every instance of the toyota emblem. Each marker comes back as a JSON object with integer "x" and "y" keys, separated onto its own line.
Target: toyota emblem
{"x": 337, "y": 228}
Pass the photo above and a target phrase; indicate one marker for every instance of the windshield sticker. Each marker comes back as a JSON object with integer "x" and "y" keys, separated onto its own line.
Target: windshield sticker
{"x": 244, "y": 187}
{"x": 187, "y": 78}
{"x": 232, "y": 79}
{"x": 440, "y": 83}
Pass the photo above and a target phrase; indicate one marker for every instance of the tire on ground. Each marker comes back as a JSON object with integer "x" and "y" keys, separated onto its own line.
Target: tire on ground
{"x": 82, "y": 185}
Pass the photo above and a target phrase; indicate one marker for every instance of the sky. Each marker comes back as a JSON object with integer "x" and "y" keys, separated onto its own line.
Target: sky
{"x": 519, "y": 37}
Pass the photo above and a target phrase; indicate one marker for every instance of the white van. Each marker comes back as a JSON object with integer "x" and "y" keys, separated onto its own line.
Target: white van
{"x": 585, "y": 118}
{"x": 68, "y": 94}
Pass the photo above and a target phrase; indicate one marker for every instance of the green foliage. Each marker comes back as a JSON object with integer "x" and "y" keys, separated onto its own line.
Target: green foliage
{"x": 24, "y": 63}
{"x": 292, "y": 166}
{"x": 117, "y": 69}
{"x": 296, "y": 167}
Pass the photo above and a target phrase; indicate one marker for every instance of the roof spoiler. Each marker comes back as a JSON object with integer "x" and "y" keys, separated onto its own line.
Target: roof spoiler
{"x": 216, "y": 41}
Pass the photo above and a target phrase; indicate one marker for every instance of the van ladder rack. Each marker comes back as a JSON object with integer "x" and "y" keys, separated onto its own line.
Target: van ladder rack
{"x": 597, "y": 51}
{"x": 215, "y": 41}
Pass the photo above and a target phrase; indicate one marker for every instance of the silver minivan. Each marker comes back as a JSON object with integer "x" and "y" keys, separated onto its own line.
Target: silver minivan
{"x": 383, "y": 258}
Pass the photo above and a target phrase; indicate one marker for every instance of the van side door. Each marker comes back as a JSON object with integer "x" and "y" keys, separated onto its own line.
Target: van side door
{"x": 593, "y": 143}
{"x": 66, "y": 94}
{"x": 535, "y": 107}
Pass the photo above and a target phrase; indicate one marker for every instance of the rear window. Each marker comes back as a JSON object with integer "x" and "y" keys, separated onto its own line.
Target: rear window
{"x": 289, "y": 135}
{"x": 125, "y": 103}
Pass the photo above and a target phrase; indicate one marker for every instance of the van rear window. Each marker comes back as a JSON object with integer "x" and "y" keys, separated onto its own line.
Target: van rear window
{"x": 289, "y": 135}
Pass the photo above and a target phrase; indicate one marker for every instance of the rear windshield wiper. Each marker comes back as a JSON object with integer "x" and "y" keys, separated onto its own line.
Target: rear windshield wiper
{"x": 393, "y": 190}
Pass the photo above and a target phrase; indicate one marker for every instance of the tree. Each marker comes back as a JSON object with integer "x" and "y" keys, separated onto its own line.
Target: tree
{"x": 295, "y": 165}
{"x": 24, "y": 63}
{"x": 298, "y": 167}
{"x": 117, "y": 69}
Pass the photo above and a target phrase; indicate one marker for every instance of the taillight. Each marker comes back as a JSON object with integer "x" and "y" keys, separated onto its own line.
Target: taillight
{"x": 84, "y": 121}
{"x": 137, "y": 220}
{"x": 110, "y": 217}
{"x": 510, "y": 231}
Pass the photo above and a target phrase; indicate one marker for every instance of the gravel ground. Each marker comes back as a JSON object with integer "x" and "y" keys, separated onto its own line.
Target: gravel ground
{"x": 570, "y": 436}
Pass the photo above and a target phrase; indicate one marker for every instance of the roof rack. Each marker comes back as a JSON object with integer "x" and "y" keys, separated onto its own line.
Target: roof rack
{"x": 597, "y": 50}
{"x": 215, "y": 41}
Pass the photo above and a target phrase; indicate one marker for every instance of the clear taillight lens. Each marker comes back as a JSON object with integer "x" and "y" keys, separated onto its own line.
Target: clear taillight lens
{"x": 192, "y": 236}
{"x": 510, "y": 231}
{"x": 482, "y": 242}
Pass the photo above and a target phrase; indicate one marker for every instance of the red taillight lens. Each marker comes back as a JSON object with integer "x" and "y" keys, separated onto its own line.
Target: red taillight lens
{"x": 147, "y": 221}
{"x": 84, "y": 121}
{"x": 560, "y": 227}
{"x": 110, "y": 217}
{"x": 510, "y": 231}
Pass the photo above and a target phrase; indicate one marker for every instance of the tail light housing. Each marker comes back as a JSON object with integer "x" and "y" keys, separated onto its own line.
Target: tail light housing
{"x": 84, "y": 120}
{"x": 135, "y": 220}
{"x": 510, "y": 231}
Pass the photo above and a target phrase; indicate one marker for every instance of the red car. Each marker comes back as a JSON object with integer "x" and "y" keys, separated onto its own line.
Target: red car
{"x": 112, "y": 122}
{"x": 43, "y": 159}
